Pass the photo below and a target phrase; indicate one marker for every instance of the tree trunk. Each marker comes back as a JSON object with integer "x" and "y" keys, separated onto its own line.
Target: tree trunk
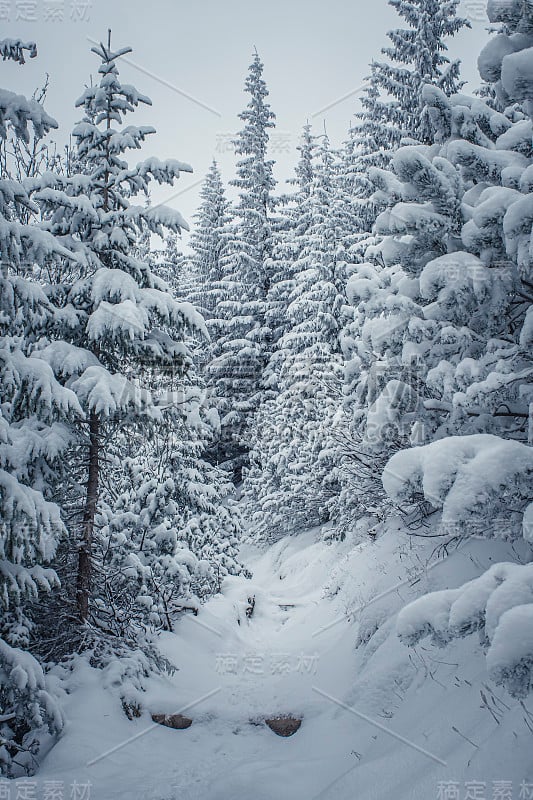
{"x": 83, "y": 588}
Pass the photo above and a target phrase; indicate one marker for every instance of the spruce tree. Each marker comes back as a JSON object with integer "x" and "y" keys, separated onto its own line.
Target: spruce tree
{"x": 208, "y": 240}
{"x": 372, "y": 140}
{"x": 292, "y": 475}
{"x": 294, "y": 220}
{"x": 393, "y": 107}
{"x": 440, "y": 335}
{"x": 121, "y": 323}
{"x": 241, "y": 339}
{"x": 168, "y": 535}
{"x": 38, "y": 420}
{"x": 479, "y": 296}
{"x": 255, "y": 183}
{"x": 418, "y": 56}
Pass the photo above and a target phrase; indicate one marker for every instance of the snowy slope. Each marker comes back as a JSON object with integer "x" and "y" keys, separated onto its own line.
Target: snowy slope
{"x": 298, "y": 654}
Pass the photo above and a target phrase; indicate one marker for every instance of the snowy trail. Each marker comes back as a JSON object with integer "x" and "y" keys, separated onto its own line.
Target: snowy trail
{"x": 263, "y": 667}
{"x": 299, "y": 641}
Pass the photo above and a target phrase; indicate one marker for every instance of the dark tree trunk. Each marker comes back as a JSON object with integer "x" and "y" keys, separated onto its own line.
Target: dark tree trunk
{"x": 83, "y": 588}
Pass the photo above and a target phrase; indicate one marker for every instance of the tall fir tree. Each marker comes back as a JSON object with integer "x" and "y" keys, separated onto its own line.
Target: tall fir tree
{"x": 292, "y": 475}
{"x": 119, "y": 324}
{"x": 255, "y": 182}
{"x": 294, "y": 220}
{"x": 208, "y": 240}
{"x": 393, "y": 106}
{"x": 477, "y": 375}
{"x": 241, "y": 339}
{"x": 418, "y": 56}
{"x": 38, "y": 422}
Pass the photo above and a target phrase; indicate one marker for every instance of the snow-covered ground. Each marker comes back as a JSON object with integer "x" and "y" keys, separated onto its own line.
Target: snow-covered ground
{"x": 378, "y": 717}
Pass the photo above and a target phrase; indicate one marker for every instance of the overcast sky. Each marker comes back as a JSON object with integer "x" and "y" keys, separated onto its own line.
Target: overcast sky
{"x": 192, "y": 58}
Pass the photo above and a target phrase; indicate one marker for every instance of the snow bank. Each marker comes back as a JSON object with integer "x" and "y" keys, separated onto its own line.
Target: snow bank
{"x": 471, "y": 478}
{"x": 499, "y": 604}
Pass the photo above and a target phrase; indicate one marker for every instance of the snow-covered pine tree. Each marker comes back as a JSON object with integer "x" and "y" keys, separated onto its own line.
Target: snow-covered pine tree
{"x": 418, "y": 56}
{"x": 394, "y": 107}
{"x": 36, "y": 429}
{"x": 372, "y": 140}
{"x": 433, "y": 303}
{"x": 118, "y": 324}
{"x": 255, "y": 182}
{"x": 293, "y": 221}
{"x": 495, "y": 393}
{"x": 168, "y": 533}
{"x": 169, "y": 263}
{"x": 392, "y": 104}
{"x": 462, "y": 300}
{"x": 304, "y": 172}
{"x": 480, "y": 483}
{"x": 241, "y": 340}
{"x": 473, "y": 295}
{"x": 292, "y": 476}
{"x": 378, "y": 131}
{"x": 208, "y": 240}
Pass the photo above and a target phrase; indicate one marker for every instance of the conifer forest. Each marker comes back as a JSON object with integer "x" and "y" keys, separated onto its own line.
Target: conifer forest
{"x": 266, "y": 461}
